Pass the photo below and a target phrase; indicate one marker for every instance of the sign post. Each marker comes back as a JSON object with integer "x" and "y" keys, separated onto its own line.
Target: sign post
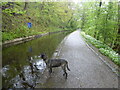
{"x": 29, "y": 25}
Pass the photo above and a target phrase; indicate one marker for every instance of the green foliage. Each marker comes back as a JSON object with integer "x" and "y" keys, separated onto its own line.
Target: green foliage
{"x": 12, "y": 8}
{"x": 103, "y": 48}
{"x": 11, "y": 11}
{"x": 44, "y": 16}
{"x": 23, "y": 32}
{"x": 111, "y": 54}
{"x": 100, "y": 22}
{"x": 7, "y": 36}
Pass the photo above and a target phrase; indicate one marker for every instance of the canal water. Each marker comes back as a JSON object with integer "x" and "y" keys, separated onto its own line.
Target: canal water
{"x": 19, "y": 62}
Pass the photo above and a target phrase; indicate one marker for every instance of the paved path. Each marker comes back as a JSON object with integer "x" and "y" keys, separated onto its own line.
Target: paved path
{"x": 87, "y": 70}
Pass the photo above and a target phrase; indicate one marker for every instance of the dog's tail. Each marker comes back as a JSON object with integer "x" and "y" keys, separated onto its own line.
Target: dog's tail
{"x": 68, "y": 67}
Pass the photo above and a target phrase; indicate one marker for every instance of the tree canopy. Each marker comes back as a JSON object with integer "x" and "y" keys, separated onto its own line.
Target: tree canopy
{"x": 100, "y": 20}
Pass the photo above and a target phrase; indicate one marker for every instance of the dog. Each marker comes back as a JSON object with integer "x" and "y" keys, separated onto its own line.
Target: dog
{"x": 52, "y": 63}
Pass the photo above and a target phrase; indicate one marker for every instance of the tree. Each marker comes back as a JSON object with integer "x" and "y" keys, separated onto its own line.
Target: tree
{"x": 100, "y": 20}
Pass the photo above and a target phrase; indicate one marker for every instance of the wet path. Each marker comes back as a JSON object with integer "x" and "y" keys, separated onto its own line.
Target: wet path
{"x": 87, "y": 70}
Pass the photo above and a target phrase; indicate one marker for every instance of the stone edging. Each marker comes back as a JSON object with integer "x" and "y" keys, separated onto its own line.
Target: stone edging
{"x": 25, "y": 39}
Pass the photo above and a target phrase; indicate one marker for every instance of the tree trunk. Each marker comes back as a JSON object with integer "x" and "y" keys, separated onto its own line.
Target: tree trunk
{"x": 96, "y": 33}
{"x": 117, "y": 44}
{"x": 25, "y": 7}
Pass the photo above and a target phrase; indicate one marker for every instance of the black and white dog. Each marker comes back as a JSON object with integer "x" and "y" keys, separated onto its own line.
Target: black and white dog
{"x": 51, "y": 63}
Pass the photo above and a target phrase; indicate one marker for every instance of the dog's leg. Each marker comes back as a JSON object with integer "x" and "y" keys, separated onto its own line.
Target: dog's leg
{"x": 66, "y": 74}
{"x": 64, "y": 69}
{"x": 67, "y": 67}
{"x": 50, "y": 70}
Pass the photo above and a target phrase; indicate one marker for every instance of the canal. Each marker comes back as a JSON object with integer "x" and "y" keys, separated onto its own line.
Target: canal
{"x": 20, "y": 72}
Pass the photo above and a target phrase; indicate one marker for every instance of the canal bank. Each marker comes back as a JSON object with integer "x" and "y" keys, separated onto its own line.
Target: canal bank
{"x": 26, "y": 39}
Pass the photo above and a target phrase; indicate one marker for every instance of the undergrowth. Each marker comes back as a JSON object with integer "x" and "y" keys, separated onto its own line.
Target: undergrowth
{"x": 18, "y": 34}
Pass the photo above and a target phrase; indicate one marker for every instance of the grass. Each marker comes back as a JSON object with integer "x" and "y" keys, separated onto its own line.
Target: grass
{"x": 16, "y": 27}
{"x": 103, "y": 48}
{"x": 18, "y": 34}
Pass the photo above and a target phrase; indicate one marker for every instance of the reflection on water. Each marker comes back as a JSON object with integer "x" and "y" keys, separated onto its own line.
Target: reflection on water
{"x": 22, "y": 66}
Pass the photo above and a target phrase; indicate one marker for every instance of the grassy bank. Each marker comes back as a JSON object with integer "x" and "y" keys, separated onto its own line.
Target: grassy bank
{"x": 16, "y": 27}
{"x": 45, "y": 17}
{"x": 103, "y": 48}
